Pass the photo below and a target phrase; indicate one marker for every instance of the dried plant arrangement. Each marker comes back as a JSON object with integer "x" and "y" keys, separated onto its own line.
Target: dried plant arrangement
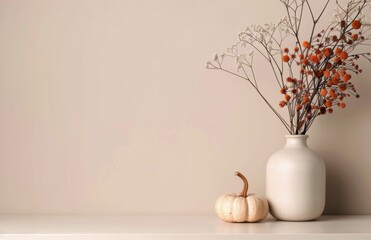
{"x": 314, "y": 75}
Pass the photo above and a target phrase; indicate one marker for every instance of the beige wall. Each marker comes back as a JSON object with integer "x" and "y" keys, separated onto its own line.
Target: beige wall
{"x": 106, "y": 107}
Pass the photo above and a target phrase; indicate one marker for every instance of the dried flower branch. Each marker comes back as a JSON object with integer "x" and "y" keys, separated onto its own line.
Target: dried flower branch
{"x": 314, "y": 76}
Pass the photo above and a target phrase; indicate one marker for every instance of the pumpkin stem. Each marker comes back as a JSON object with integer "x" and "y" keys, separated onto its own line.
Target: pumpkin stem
{"x": 245, "y": 184}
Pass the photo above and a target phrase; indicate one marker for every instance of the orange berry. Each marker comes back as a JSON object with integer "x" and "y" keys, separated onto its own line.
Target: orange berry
{"x": 282, "y": 104}
{"x": 355, "y": 37}
{"x": 327, "y": 73}
{"x": 314, "y": 58}
{"x": 298, "y": 107}
{"x": 305, "y": 62}
{"x": 342, "y": 105}
{"x": 319, "y": 56}
{"x": 296, "y": 49}
{"x": 285, "y": 58}
{"x": 319, "y": 73}
{"x": 286, "y": 50}
{"x": 356, "y": 24}
{"x": 338, "y": 51}
{"x": 347, "y": 77}
{"x": 335, "y": 81}
{"x": 343, "y": 87}
{"x": 344, "y": 55}
{"x": 283, "y": 91}
{"x": 301, "y": 56}
{"x": 287, "y": 98}
{"x": 305, "y": 100}
{"x": 328, "y": 103}
{"x": 333, "y": 93}
{"x": 328, "y": 65}
{"x": 336, "y": 59}
{"x": 337, "y": 75}
{"x": 306, "y": 44}
{"x": 327, "y": 52}
{"x": 324, "y": 92}
{"x": 330, "y": 110}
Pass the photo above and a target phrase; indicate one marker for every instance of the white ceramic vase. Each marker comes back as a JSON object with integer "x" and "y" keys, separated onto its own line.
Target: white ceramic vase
{"x": 296, "y": 181}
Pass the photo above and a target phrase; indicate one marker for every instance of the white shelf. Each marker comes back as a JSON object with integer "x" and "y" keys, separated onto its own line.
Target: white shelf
{"x": 115, "y": 227}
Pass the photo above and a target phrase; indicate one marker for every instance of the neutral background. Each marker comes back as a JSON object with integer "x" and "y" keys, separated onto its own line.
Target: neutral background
{"x": 106, "y": 107}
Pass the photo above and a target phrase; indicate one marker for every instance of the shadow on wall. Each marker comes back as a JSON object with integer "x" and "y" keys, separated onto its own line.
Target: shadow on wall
{"x": 341, "y": 193}
{"x": 343, "y": 141}
{"x": 336, "y": 193}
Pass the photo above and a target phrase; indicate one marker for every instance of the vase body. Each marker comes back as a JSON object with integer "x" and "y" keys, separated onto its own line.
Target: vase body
{"x": 296, "y": 181}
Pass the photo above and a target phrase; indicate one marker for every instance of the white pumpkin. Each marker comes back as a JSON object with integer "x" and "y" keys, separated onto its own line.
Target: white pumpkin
{"x": 242, "y": 207}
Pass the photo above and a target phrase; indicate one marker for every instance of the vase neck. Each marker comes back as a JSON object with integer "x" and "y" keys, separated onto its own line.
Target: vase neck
{"x": 296, "y": 140}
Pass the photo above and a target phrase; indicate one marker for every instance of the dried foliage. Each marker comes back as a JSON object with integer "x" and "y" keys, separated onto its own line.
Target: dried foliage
{"x": 314, "y": 76}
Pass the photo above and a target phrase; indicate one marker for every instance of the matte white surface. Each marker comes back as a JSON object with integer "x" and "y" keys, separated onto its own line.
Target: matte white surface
{"x": 296, "y": 181}
{"x": 178, "y": 227}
